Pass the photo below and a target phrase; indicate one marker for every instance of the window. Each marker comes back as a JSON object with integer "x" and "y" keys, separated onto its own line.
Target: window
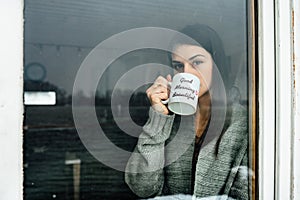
{"x": 88, "y": 65}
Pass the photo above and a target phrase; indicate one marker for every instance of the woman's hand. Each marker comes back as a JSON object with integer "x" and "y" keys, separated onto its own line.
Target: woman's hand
{"x": 159, "y": 91}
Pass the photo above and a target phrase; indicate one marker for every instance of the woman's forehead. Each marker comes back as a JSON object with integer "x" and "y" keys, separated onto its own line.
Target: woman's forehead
{"x": 187, "y": 51}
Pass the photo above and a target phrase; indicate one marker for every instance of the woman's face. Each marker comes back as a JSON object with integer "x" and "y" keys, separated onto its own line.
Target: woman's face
{"x": 194, "y": 60}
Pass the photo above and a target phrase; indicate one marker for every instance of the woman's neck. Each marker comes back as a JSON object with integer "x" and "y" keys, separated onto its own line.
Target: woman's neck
{"x": 202, "y": 114}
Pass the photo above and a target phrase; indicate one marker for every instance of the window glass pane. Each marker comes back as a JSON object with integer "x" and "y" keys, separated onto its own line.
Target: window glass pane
{"x": 92, "y": 132}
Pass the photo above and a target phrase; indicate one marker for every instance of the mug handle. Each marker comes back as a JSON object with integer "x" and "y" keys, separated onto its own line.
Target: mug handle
{"x": 167, "y": 100}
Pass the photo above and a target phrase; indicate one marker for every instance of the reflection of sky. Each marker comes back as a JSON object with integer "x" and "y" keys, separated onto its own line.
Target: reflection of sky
{"x": 60, "y": 34}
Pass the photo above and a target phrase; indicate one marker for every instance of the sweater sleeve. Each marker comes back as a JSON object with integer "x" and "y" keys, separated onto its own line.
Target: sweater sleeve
{"x": 144, "y": 171}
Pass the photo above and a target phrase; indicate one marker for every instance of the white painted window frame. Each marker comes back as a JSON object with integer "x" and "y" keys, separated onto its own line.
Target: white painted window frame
{"x": 11, "y": 100}
{"x": 279, "y": 117}
{"x": 278, "y": 90}
{"x": 266, "y": 96}
{"x": 295, "y": 168}
{"x": 283, "y": 98}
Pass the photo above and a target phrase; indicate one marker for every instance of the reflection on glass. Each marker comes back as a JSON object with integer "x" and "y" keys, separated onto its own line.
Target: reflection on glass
{"x": 60, "y": 35}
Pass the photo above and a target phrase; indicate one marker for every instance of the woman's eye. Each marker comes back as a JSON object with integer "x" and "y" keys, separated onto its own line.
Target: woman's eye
{"x": 178, "y": 66}
{"x": 196, "y": 62}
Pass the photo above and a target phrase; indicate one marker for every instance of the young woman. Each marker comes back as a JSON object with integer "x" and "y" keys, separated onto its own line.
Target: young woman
{"x": 210, "y": 155}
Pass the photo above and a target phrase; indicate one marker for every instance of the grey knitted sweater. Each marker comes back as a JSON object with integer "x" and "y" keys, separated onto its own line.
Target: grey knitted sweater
{"x": 162, "y": 161}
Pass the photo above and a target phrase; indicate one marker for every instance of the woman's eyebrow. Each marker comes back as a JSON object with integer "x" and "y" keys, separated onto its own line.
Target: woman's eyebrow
{"x": 191, "y": 58}
{"x": 175, "y": 61}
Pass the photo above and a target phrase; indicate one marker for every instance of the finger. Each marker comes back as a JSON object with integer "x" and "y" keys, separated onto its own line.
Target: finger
{"x": 169, "y": 78}
{"x": 157, "y": 91}
{"x": 160, "y": 85}
{"x": 161, "y": 80}
{"x": 157, "y": 88}
{"x": 163, "y": 96}
{"x": 156, "y": 98}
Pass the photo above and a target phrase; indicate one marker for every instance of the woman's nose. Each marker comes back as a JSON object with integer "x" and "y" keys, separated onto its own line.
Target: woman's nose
{"x": 187, "y": 68}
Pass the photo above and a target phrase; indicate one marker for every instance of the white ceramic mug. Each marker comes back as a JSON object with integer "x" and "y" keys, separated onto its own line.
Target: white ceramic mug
{"x": 183, "y": 98}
